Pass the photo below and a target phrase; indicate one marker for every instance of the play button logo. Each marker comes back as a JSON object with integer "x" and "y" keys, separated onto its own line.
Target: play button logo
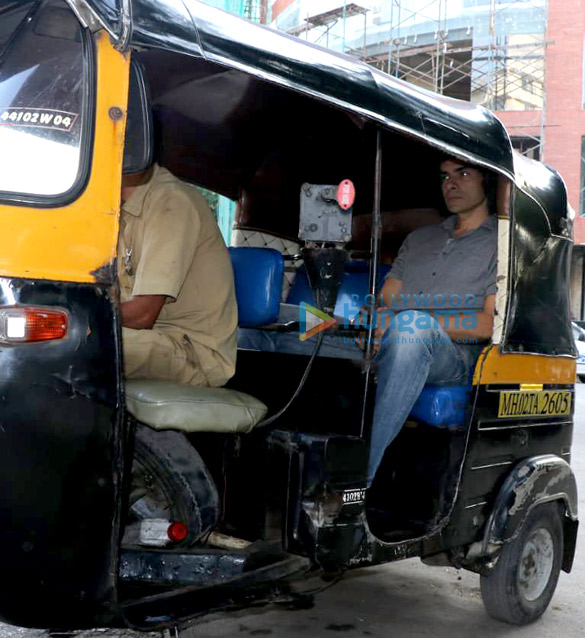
{"x": 313, "y": 321}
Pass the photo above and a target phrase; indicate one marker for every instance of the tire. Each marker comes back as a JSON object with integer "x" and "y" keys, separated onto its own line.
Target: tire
{"x": 170, "y": 481}
{"x": 581, "y": 378}
{"x": 520, "y": 587}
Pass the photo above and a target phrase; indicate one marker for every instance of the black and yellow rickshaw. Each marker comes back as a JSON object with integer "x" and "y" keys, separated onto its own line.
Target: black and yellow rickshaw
{"x": 144, "y": 503}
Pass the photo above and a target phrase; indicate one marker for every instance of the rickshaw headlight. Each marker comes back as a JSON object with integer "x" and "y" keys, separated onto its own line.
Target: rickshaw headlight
{"x": 28, "y": 324}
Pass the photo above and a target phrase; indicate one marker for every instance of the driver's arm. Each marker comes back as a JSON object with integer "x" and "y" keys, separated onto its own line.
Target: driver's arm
{"x": 141, "y": 312}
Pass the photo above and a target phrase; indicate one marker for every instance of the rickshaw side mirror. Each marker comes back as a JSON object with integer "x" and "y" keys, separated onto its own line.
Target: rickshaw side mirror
{"x": 138, "y": 149}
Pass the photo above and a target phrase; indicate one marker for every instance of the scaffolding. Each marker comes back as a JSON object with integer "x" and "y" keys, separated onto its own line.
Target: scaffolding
{"x": 475, "y": 50}
{"x": 256, "y": 10}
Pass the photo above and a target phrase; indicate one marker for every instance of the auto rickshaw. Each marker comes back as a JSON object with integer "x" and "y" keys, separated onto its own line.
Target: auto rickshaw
{"x": 144, "y": 503}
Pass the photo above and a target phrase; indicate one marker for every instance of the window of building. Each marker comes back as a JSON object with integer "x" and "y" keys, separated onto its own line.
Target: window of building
{"x": 527, "y": 145}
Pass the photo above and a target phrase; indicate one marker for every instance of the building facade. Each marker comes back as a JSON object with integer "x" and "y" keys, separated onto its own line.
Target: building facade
{"x": 523, "y": 59}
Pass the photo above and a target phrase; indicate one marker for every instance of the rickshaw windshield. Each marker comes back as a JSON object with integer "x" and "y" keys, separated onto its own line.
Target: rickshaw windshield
{"x": 44, "y": 80}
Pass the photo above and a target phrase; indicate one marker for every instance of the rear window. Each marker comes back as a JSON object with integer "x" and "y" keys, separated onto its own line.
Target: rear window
{"x": 44, "y": 86}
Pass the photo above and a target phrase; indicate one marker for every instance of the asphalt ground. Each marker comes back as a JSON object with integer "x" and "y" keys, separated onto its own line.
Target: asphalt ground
{"x": 400, "y": 600}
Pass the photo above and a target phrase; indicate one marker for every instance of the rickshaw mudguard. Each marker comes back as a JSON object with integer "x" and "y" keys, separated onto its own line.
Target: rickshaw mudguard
{"x": 61, "y": 456}
{"x": 535, "y": 480}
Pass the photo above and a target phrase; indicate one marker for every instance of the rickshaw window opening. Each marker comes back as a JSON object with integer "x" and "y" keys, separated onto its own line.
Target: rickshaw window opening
{"x": 47, "y": 92}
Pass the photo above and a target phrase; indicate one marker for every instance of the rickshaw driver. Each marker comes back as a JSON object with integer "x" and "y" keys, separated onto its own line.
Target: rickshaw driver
{"x": 179, "y": 313}
{"x": 464, "y": 251}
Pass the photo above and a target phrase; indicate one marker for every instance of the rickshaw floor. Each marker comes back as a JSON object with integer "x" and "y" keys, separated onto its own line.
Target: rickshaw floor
{"x": 392, "y": 527}
{"x": 416, "y": 482}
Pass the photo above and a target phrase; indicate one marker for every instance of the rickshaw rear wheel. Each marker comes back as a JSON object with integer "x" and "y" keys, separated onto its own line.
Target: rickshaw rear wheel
{"x": 520, "y": 587}
{"x": 171, "y": 481}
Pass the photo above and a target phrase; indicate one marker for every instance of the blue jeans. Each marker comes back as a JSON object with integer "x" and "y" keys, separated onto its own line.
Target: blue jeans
{"x": 408, "y": 359}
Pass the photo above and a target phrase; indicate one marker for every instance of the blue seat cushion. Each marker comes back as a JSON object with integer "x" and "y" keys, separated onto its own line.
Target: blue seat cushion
{"x": 258, "y": 276}
{"x": 352, "y": 292}
{"x": 442, "y": 406}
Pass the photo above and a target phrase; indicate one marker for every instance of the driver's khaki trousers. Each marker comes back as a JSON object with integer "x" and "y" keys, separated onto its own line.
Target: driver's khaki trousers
{"x": 149, "y": 354}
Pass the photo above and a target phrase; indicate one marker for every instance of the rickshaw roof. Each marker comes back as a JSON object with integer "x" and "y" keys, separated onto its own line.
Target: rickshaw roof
{"x": 193, "y": 28}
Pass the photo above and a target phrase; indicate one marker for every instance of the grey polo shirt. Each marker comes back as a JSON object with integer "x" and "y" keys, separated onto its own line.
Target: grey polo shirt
{"x": 441, "y": 271}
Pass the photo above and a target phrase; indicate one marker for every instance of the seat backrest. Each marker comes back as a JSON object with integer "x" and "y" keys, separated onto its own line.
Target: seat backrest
{"x": 258, "y": 276}
{"x": 352, "y": 292}
{"x": 243, "y": 236}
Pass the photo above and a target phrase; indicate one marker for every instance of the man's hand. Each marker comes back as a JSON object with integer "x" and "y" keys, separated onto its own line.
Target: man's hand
{"x": 369, "y": 314}
{"x": 141, "y": 312}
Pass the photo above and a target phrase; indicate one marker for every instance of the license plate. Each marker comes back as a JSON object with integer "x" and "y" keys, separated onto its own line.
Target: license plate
{"x": 354, "y": 496}
{"x": 542, "y": 403}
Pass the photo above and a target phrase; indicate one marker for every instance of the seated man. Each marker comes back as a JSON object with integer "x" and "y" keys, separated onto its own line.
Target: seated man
{"x": 445, "y": 279}
{"x": 179, "y": 313}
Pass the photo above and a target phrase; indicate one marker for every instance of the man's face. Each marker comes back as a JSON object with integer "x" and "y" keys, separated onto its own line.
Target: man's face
{"x": 462, "y": 186}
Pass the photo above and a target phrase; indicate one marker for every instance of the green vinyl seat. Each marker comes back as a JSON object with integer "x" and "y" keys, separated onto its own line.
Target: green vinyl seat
{"x": 164, "y": 405}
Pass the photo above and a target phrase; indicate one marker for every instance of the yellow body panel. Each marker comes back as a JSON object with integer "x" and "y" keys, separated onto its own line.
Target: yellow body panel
{"x": 71, "y": 242}
{"x": 494, "y": 367}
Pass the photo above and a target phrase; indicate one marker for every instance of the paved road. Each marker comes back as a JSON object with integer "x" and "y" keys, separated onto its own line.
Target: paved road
{"x": 403, "y": 600}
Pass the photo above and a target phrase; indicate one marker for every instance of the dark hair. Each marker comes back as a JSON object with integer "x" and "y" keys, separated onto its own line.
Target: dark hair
{"x": 490, "y": 180}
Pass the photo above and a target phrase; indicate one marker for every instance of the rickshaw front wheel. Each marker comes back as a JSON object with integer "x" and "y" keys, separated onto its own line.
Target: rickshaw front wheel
{"x": 520, "y": 587}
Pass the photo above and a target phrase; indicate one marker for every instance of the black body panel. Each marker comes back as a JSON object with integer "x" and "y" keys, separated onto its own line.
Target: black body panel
{"x": 539, "y": 316}
{"x": 61, "y": 459}
{"x": 495, "y": 447}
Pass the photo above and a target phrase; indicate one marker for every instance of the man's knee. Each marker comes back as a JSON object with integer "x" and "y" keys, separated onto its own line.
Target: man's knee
{"x": 412, "y": 327}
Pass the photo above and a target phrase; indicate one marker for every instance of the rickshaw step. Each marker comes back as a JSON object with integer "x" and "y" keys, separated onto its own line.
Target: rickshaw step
{"x": 171, "y": 607}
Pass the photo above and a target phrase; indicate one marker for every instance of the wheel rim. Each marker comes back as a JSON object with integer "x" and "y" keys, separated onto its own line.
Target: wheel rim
{"x": 536, "y": 564}
{"x": 149, "y": 498}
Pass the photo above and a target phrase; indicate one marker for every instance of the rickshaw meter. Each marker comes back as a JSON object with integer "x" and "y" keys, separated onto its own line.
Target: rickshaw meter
{"x": 326, "y": 212}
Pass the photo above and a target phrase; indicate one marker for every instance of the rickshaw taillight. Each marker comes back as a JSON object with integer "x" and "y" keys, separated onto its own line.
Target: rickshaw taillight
{"x": 29, "y": 324}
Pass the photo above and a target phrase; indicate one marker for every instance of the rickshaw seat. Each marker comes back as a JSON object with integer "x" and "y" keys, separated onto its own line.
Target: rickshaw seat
{"x": 437, "y": 406}
{"x": 442, "y": 406}
{"x": 164, "y": 405}
{"x": 258, "y": 274}
{"x": 352, "y": 292}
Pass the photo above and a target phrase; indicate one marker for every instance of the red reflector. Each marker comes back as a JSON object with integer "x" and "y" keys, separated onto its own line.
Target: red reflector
{"x": 177, "y": 532}
{"x": 29, "y": 324}
{"x": 346, "y": 194}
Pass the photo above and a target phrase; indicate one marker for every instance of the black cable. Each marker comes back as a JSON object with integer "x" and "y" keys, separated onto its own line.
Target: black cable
{"x": 273, "y": 418}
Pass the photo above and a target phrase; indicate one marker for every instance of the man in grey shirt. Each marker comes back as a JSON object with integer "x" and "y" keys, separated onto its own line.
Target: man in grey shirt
{"x": 437, "y": 304}
{"x": 436, "y": 311}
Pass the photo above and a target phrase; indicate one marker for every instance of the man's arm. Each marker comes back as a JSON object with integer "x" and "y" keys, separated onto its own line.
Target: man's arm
{"x": 481, "y": 322}
{"x": 390, "y": 290}
{"x": 142, "y": 311}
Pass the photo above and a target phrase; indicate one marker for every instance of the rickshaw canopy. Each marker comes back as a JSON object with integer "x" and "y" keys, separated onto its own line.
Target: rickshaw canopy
{"x": 196, "y": 29}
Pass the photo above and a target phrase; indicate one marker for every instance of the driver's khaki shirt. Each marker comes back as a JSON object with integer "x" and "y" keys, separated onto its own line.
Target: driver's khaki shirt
{"x": 170, "y": 245}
